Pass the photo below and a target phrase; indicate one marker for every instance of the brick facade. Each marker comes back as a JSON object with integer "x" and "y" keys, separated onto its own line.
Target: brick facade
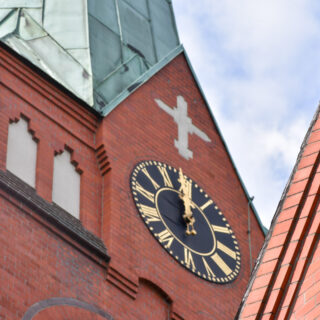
{"x": 47, "y": 272}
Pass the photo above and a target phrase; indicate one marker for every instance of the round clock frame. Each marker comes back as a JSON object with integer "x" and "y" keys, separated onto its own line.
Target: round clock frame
{"x": 211, "y": 251}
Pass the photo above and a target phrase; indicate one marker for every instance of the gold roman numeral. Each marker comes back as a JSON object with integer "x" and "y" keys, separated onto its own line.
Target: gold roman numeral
{"x": 220, "y": 229}
{"x": 155, "y": 185}
{"x": 188, "y": 259}
{"x": 144, "y": 192}
{"x": 165, "y": 176}
{"x": 221, "y": 264}
{"x": 150, "y": 213}
{"x": 207, "y": 204}
{"x": 226, "y": 250}
{"x": 165, "y": 237}
{"x": 208, "y": 269}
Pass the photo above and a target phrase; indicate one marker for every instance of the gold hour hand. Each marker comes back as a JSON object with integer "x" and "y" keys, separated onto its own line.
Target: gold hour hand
{"x": 181, "y": 180}
{"x": 185, "y": 196}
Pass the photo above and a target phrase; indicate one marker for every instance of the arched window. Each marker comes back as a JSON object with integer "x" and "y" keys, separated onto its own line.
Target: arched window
{"x": 22, "y": 152}
{"x": 66, "y": 184}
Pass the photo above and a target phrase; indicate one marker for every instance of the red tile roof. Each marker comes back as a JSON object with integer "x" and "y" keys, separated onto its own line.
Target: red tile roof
{"x": 285, "y": 283}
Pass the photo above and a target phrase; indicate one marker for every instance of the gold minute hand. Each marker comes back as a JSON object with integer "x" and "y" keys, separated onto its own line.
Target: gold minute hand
{"x": 182, "y": 182}
{"x": 185, "y": 196}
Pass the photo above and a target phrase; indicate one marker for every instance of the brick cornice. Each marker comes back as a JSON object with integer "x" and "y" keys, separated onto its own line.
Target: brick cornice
{"x": 53, "y": 217}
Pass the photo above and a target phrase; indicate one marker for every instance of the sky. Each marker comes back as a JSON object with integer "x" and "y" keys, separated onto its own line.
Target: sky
{"x": 258, "y": 63}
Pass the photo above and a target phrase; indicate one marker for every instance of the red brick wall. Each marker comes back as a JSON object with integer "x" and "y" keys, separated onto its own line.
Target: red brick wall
{"x": 139, "y": 130}
{"x": 307, "y": 305}
{"x": 38, "y": 263}
{"x": 57, "y": 121}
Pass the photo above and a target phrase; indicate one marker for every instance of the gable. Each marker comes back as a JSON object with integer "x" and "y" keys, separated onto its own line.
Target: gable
{"x": 143, "y": 127}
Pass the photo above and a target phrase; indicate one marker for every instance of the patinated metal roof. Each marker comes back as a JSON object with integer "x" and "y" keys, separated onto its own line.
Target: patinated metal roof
{"x": 98, "y": 48}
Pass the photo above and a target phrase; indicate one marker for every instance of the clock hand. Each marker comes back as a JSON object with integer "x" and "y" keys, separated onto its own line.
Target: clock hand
{"x": 185, "y": 196}
{"x": 189, "y": 218}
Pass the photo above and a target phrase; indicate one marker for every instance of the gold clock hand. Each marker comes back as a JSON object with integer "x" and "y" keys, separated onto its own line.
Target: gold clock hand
{"x": 182, "y": 182}
{"x": 185, "y": 196}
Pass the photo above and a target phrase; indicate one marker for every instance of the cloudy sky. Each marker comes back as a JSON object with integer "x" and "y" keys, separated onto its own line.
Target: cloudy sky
{"x": 258, "y": 63}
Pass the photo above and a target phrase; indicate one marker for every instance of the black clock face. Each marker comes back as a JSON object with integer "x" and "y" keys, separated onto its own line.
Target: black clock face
{"x": 185, "y": 221}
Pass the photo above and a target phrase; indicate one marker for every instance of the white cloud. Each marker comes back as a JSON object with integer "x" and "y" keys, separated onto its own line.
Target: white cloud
{"x": 258, "y": 63}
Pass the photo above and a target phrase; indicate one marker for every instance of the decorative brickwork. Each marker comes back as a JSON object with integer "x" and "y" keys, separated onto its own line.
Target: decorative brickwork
{"x": 102, "y": 157}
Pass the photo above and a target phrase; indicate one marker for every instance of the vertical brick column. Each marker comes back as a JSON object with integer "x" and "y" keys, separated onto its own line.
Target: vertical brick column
{"x": 44, "y": 172}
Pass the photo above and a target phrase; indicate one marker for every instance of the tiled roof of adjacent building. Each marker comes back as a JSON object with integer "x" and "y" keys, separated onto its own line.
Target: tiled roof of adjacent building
{"x": 285, "y": 283}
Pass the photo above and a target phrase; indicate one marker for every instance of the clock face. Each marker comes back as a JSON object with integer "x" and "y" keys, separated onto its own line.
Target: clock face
{"x": 185, "y": 221}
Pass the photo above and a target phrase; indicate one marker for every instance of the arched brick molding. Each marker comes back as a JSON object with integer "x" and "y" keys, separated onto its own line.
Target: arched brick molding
{"x": 156, "y": 303}
{"x": 74, "y": 304}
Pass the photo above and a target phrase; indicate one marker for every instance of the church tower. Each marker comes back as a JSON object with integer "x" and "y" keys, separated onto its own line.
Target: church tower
{"x": 118, "y": 196}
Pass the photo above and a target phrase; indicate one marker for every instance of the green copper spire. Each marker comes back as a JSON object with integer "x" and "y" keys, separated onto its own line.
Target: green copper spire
{"x": 97, "y": 48}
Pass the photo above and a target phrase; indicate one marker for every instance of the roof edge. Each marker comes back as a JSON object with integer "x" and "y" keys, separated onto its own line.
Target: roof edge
{"x": 67, "y": 92}
{"x": 174, "y": 20}
{"x": 278, "y": 211}
{"x": 263, "y": 228}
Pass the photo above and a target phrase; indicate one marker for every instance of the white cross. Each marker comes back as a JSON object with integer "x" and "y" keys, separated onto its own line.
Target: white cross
{"x": 185, "y": 126}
